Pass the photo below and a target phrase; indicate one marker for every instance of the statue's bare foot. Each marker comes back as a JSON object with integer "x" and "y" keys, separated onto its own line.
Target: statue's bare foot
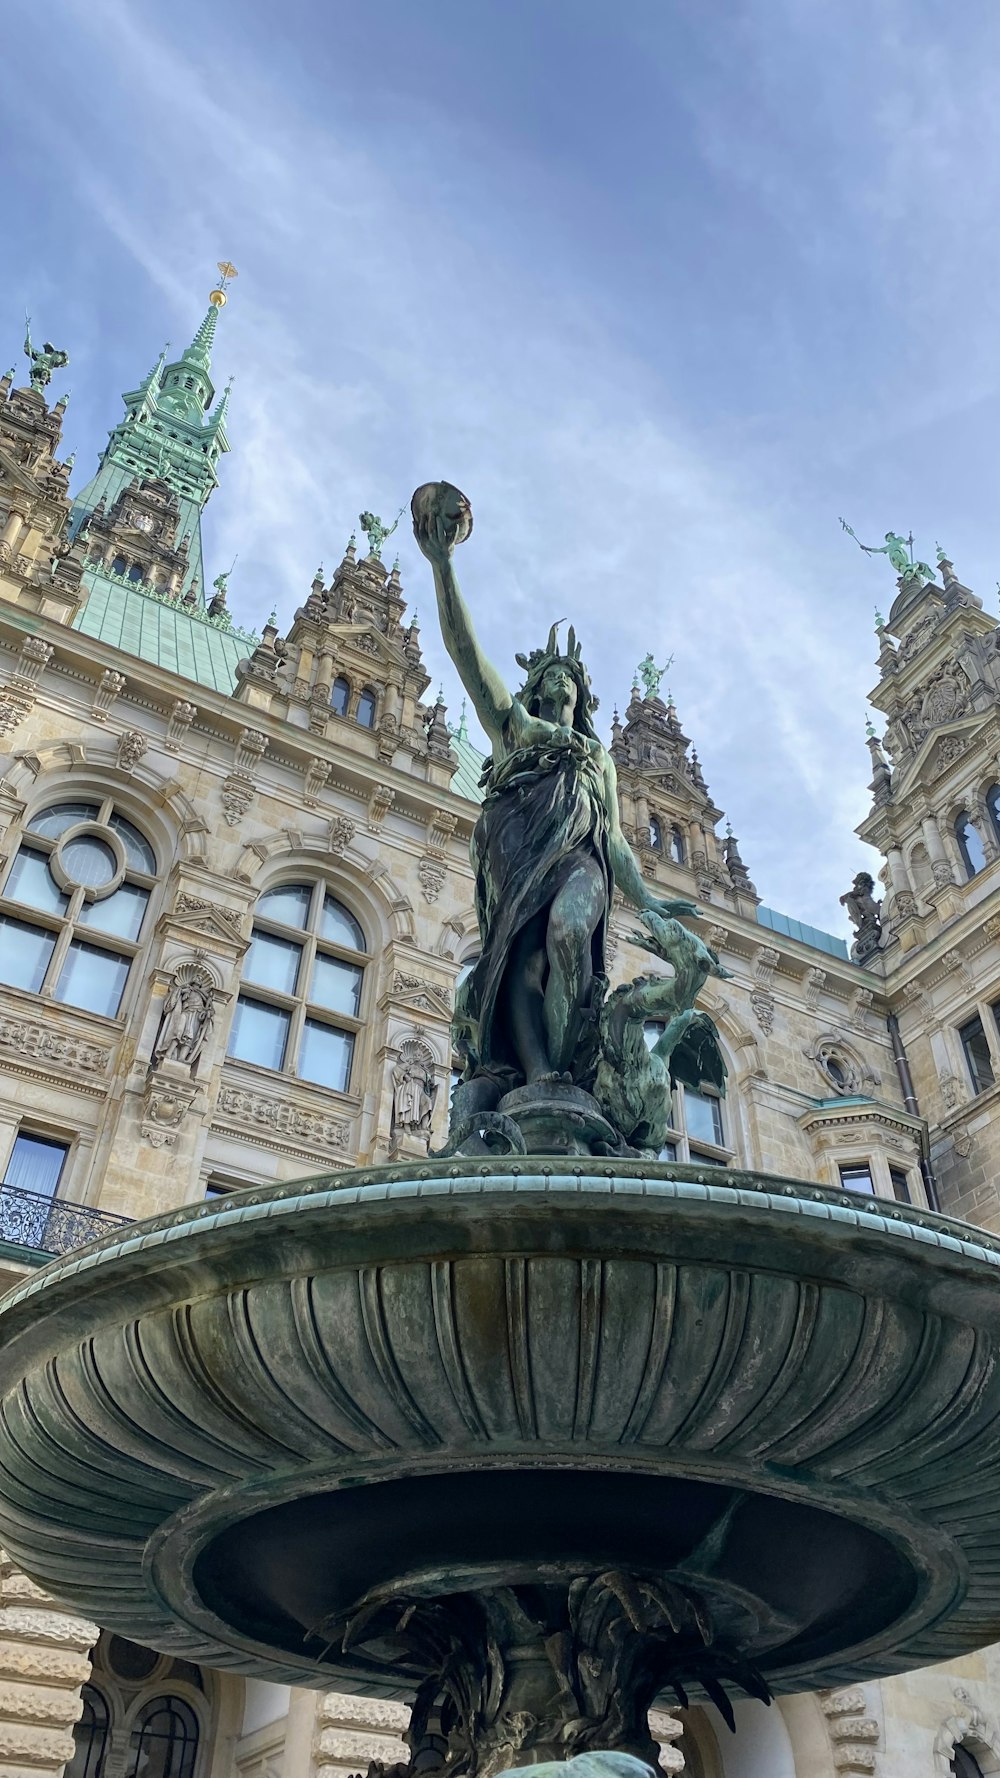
{"x": 556, "y": 1074}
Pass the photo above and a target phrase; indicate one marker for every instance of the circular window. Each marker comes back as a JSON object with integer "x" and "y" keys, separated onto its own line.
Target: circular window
{"x": 89, "y": 862}
{"x": 838, "y": 1067}
{"x": 128, "y": 1660}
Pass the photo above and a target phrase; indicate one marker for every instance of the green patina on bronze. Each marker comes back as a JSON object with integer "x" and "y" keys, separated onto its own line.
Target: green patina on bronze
{"x": 43, "y": 362}
{"x": 549, "y": 852}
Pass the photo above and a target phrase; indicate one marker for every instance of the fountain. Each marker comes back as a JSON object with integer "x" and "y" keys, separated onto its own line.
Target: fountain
{"x": 544, "y": 1430}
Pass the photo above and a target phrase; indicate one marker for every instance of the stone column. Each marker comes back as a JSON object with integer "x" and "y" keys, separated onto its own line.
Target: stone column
{"x": 324, "y": 677}
{"x": 940, "y": 868}
{"x": 44, "y": 1662}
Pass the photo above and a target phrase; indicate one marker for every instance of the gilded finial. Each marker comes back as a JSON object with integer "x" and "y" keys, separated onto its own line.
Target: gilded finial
{"x": 227, "y": 272}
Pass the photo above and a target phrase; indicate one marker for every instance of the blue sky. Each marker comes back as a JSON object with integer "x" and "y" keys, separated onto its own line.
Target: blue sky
{"x": 665, "y": 287}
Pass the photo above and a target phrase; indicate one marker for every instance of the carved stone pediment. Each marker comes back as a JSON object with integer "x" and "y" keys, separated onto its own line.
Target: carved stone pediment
{"x": 195, "y": 914}
{"x": 938, "y": 751}
{"x": 423, "y": 996}
{"x": 10, "y": 471}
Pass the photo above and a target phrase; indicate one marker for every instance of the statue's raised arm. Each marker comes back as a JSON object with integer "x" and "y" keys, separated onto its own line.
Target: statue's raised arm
{"x": 442, "y": 518}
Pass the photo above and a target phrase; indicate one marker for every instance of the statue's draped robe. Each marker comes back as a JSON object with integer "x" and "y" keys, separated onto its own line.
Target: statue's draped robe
{"x": 543, "y": 811}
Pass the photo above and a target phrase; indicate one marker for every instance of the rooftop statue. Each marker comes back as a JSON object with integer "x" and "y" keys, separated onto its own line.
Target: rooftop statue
{"x": 651, "y": 674}
{"x": 376, "y": 532}
{"x": 548, "y": 852}
{"x": 899, "y": 551}
{"x": 43, "y": 362}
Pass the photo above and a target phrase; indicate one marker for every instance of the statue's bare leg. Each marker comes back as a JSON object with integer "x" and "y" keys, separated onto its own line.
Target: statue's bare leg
{"x": 524, "y": 999}
{"x": 573, "y": 919}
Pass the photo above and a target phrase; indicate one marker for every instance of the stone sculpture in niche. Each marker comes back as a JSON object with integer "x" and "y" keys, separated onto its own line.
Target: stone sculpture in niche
{"x": 414, "y": 1091}
{"x": 187, "y": 1018}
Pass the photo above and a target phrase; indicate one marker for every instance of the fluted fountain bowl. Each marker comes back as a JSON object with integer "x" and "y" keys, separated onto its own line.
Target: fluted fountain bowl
{"x": 244, "y": 1432}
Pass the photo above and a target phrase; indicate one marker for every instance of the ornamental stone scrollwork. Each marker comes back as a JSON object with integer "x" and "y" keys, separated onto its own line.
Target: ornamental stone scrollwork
{"x": 34, "y": 657}
{"x": 28, "y": 1040}
{"x": 109, "y": 689}
{"x": 431, "y": 872}
{"x": 188, "y": 1016}
{"x": 949, "y": 749}
{"x": 765, "y": 962}
{"x": 814, "y": 981}
{"x": 14, "y": 707}
{"x": 182, "y": 715}
{"x": 317, "y": 775}
{"x": 953, "y": 961}
{"x": 251, "y": 746}
{"x": 991, "y": 927}
{"x": 844, "y": 1072}
{"x": 201, "y": 910}
{"x": 254, "y": 1112}
{"x": 859, "y": 1008}
{"x": 379, "y": 803}
{"x": 942, "y": 872}
{"x": 341, "y": 834}
{"x": 46, "y": 1659}
{"x": 953, "y": 1093}
{"x": 131, "y": 747}
{"x": 414, "y": 1092}
{"x": 763, "y": 1009}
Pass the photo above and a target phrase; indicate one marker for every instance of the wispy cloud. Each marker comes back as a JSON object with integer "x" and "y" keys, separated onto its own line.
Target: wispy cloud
{"x": 407, "y": 309}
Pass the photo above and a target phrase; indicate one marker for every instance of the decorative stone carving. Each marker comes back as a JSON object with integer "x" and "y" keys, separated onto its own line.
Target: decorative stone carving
{"x": 250, "y": 748}
{"x": 865, "y": 915}
{"x": 14, "y": 707}
{"x": 954, "y": 961}
{"x": 414, "y": 1091}
{"x": 110, "y": 687}
{"x": 962, "y": 1143}
{"x": 44, "y": 1661}
{"x": 855, "y": 1736}
{"x": 187, "y": 1018}
{"x": 237, "y": 795}
{"x": 440, "y": 828}
{"x": 196, "y": 904}
{"x": 317, "y": 774}
{"x": 814, "y": 981}
{"x": 167, "y": 1099}
{"x": 182, "y": 715}
{"x": 131, "y": 747}
{"x": 860, "y": 1005}
{"x": 942, "y": 872}
{"x": 991, "y": 927}
{"x": 432, "y": 874}
{"x": 763, "y": 1009}
{"x": 34, "y": 657}
{"x": 340, "y": 835}
{"x": 253, "y": 1112}
{"x": 37, "y": 1043}
{"x": 765, "y": 962}
{"x": 379, "y": 803}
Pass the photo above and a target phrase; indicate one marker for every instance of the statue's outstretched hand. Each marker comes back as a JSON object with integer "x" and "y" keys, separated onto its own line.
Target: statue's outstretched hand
{"x": 442, "y": 518}
{"x": 672, "y": 910}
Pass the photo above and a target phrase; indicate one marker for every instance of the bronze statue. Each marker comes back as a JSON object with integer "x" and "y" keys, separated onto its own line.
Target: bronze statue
{"x": 42, "y": 363}
{"x": 548, "y": 849}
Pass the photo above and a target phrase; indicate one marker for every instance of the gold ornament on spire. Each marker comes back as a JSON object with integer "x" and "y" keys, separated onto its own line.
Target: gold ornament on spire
{"x": 228, "y": 272}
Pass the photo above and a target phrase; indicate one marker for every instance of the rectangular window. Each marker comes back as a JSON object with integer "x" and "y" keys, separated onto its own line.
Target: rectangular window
{"x": 977, "y": 1054}
{"x": 325, "y": 1055}
{"x": 900, "y": 1185}
{"x": 25, "y": 952}
{"x": 93, "y": 979}
{"x": 857, "y": 1178}
{"x": 32, "y": 882}
{"x": 120, "y": 914}
{"x": 259, "y": 1034}
{"x": 703, "y": 1117}
{"x": 668, "y": 1152}
{"x": 36, "y": 1164}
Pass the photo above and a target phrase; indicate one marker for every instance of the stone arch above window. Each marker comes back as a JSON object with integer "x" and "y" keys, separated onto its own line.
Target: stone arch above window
{"x": 340, "y": 695}
{"x": 164, "y": 1739}
{"x": 367, "y": 706}
{"x": 301, "y": 999}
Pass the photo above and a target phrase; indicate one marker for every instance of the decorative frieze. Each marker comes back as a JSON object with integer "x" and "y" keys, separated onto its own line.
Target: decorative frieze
{"x": 31, "y": 1041}
{"x": 254, "y": 1113}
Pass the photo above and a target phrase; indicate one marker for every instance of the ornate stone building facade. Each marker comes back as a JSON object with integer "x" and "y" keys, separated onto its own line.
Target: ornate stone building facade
{"x": 235, "y": 899}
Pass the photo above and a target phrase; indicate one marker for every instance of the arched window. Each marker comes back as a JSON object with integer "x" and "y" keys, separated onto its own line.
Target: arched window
{"x": 340, "y": 697}
{"x": 697, "y": 1120}
{"x": 655, "y": 836}
{"x": 164, "y": 1740}
{"x": 993, "y": 805}
{"x": 970, "y": 845}
{"x": 119, "y": 565}
{"x": 86, "y": 874}
{"x": 366, "y": 708}
{"x": 301, "y": 990}
{"x": 135, "y": 573}
{"x": 90, "y": 1736}
{"x": 964, "y": 1764}
{"x": 677, "y": 852}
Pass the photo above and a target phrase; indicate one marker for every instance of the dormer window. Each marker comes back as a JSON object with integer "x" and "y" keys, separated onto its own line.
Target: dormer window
{"x": 366, "y": 708}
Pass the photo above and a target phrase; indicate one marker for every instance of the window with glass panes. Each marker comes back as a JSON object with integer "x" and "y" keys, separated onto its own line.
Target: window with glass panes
{"x": 977, "y": 1054}
{"x": 300, "y": 995}
{"x": 74, "y": 903}
{"x": 857, "y": 1177}
{"x": 698, "y": 1131}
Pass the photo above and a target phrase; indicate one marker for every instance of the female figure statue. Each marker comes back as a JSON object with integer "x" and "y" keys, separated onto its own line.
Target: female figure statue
{"x": 547, "y": 849}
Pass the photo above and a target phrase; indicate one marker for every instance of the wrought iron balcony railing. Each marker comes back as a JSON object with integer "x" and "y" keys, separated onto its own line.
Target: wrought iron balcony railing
{"x": 51, "y": 1225}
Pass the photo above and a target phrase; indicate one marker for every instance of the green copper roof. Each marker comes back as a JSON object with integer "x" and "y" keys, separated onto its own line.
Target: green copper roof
{"x": 806, "y": 935}
{"x": 159, "y": 631}
{"x": 470, "y": 764}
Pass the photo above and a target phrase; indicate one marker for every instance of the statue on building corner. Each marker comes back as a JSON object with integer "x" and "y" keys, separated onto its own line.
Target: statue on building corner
{"x": 865, "y": 915}
{"x": 548, "y": 852}
{"x": 43, "y": 362}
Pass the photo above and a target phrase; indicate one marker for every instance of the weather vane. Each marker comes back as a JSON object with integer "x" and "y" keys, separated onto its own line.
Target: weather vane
{"x": 227, "y": 272}
{"x": 900, "y": 553}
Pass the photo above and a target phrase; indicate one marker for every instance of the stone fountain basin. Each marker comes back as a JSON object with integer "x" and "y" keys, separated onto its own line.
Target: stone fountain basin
{"x": 223, "y": 1430}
